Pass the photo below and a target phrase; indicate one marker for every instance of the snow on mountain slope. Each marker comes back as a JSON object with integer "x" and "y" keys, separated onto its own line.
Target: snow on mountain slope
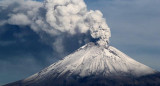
{"x": 92, "y": 59}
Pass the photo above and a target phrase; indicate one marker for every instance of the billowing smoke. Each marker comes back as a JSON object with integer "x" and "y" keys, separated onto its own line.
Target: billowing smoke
{"x": 60, "y": 23}
{"x": 73, "y": 17}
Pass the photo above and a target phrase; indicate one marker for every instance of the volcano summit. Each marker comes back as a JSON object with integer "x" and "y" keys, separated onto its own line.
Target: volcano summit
{"x": 94, "y": 65}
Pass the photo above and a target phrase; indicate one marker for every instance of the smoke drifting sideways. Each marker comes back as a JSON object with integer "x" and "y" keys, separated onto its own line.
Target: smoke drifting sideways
{"x": 63, "y": 24}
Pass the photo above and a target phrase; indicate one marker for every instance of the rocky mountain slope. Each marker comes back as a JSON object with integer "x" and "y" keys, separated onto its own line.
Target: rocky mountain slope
{"x": 96, "y": 65}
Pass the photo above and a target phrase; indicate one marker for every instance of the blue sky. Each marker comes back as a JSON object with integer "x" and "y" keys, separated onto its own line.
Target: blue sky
{"x": 135, "y": 28}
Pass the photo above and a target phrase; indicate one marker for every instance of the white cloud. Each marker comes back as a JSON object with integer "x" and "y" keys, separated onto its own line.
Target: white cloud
{"x": 58, "y": 45}
{"x": 19, "y": 19}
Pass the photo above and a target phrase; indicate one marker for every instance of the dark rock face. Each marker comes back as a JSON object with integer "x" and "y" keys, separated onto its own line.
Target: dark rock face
{"x": 149, "y": 80}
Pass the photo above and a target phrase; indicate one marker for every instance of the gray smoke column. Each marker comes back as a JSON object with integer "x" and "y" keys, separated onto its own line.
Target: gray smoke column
{"x": 57, "y": 22}
{"x": 73, "y": 17}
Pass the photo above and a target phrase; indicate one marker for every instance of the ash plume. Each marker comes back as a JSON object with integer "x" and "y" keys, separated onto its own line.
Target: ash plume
{"x": 73, "y": 17}
{"x": 57, "y": 21}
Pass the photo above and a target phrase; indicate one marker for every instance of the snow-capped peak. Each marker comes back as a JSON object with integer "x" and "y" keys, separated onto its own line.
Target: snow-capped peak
{"x": 92, "y": 59}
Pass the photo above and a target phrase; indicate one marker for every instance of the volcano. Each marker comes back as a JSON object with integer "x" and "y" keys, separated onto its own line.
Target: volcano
{"x": 94, "y": 65}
